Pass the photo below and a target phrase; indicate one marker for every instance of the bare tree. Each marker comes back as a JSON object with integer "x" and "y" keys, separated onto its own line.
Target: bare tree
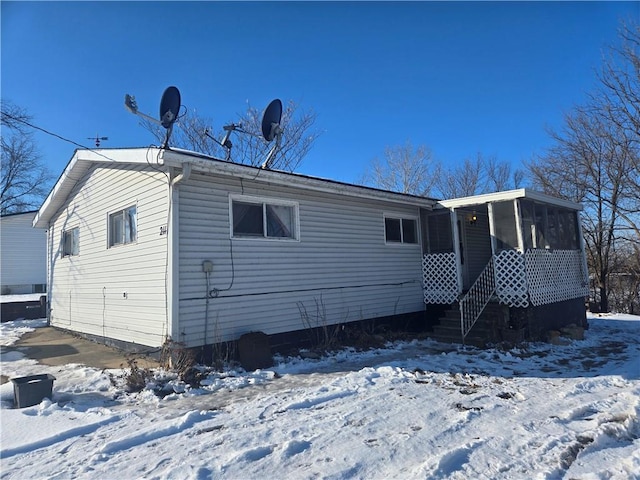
{"x": 412, "y": 170}
{"x": 502, "y": 176}
{"x": 463, "y": 180}
{"x": 25, "y": 179}
{"x": 595, "y": 160}
{"x": 477, "y": 176}
{"x": 590, "y": 162}
{"x": 194, "y": 132}
{"x": 619, "y": 101}
{"x": 620, "y": 80}
{"x": 624, "y": 281}
{"x": 405, "y": 169}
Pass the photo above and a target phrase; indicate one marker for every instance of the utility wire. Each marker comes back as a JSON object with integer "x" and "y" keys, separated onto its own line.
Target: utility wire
{"x": 54, "y": 135}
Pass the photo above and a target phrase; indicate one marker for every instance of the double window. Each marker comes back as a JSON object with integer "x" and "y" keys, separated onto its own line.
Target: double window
{"x": 400, "y": 230}
{"x": 123, "y": 227}
{"x": 71, "y": 242}
{"x": 257, "y": 218}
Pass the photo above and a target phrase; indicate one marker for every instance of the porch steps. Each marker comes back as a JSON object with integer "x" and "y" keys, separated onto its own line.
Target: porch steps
{"x": 448, "y": 330}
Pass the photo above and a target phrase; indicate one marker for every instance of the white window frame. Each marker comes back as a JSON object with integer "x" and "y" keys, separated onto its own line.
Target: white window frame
{"x": 110, "y": 217}
{"x": 401, "y": 218}
{"x": 264, "y": 201}
{"x": 73, "y": 234}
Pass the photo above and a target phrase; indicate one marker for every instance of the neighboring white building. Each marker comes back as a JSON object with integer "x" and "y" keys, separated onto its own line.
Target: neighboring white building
{"x": 152, "y": 243}
{"x": 23, "y": 255}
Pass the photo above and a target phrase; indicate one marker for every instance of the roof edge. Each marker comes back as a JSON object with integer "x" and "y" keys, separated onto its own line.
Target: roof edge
{"x": 509, "y": 195}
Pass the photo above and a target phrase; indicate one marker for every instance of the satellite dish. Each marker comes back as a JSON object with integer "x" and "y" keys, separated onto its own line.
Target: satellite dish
{"x": 169, "y": 106}
{"x": 271, "y": 120}
{"x": 271, "y": 129}
{"x": 169, "y": 110}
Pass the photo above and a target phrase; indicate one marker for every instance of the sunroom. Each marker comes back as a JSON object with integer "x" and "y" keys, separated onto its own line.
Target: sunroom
{"x": 520, "y": 249}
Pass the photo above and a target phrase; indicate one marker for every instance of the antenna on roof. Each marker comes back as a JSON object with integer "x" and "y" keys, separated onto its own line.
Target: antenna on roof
{"x": 98, "y": 139}
{"x": 270, "y": 127}
{"x": 169, "y": 109}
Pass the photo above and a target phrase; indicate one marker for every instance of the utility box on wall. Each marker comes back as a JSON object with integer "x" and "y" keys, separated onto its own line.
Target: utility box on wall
{"x": 31, "y": 390}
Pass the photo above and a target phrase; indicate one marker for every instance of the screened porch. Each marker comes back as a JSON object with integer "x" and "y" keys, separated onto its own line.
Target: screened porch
{"x": 518, "y": 248}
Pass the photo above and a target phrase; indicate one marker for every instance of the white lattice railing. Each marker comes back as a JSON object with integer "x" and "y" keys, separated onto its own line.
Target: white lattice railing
{"x": 440, "y": 278}
{"x": 555, "y": 275}
{"x": 473, "y": 303}
{"x": 511, "y": 278}
{"x": 538, "y": 277}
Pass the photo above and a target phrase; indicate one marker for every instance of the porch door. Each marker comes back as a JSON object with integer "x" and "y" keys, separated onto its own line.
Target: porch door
{"x": 475, "y": 244}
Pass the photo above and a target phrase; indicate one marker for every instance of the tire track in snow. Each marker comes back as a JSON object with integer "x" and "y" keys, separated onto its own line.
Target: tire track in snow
{"x": 171, "y": 427}
{"x": 49, "y": 441}
{"x": 316, "y": 401}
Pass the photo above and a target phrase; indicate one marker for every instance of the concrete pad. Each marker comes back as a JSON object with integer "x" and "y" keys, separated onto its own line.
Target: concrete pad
{"x": 50, "y": 346}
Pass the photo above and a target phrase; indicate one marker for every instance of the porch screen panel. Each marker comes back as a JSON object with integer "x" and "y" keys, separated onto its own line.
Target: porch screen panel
{"x": 439, "y": 233}
{"x": 528, "y": 224}
{"x": 504, "y": 222}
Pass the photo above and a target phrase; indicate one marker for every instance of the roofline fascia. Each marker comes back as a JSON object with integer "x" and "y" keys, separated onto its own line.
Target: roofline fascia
{"x": 172, "y": 158}
{"x": 508, "y": 195}
{"x": 73, "y": 173}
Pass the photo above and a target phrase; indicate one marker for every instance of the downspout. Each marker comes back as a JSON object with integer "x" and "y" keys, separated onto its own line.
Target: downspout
{"x": 173, "y": 253}
{"x": 183, "y": 176}
{"x": 49, "y": 270}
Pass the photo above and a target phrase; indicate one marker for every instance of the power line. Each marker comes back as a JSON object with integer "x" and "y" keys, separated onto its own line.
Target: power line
{"x": 17, "y": 119}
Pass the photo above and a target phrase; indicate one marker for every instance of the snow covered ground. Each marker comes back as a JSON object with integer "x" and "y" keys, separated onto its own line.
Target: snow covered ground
{"x": 413, "y": 410}
{"x": 23, "y": 297}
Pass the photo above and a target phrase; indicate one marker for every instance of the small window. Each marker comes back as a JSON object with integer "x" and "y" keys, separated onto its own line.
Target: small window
{"x": 70, "y": 242}
{"x": 123, "y": 227}
{"x": 263, "y": 219}
{"x": 401, "y": 230}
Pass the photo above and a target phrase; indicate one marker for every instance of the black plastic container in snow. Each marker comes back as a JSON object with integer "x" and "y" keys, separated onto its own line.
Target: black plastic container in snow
{"x": 31, "y": 390}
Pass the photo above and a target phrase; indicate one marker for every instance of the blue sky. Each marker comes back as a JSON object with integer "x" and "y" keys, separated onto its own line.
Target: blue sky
{"x": 459, "y": 77}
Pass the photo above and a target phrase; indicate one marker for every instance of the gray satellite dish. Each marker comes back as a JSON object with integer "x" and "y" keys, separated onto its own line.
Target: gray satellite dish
{"x": 271, "y": 128}
{"x": 271, "y": 119}
{"x": 169, "y": 110}
{"x": 169, "y": 107}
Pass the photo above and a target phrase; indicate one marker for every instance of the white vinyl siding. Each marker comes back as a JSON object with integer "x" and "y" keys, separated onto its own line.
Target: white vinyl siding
{"x": 341, "y": 262}
{"x": 117, "y": 293}
{"x": 23, "y": 258}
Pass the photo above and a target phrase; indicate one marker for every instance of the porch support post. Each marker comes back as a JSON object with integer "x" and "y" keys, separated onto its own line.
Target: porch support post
{"x": 456, "y": 246}
{"x": 518, "y": 220}
{"x": 492, "y": 228}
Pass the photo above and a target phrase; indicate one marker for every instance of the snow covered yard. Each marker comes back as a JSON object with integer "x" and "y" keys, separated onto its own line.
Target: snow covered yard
{"x": 413, "y": 410}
